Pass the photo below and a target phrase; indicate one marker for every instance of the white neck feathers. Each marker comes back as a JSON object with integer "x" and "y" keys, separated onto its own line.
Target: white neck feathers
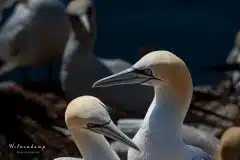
{"x": 93, "y": 146}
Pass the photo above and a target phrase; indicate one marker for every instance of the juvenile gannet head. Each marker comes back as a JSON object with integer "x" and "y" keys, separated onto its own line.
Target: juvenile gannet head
{"x": 90, "y": 114}
{"x": 230, "y": 145}
{"x": 156, "y": 68}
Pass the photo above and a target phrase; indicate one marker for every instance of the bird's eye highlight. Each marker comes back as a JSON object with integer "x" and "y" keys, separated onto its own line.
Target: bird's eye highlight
{"x": 148, "y": 72}
{"x": 91, "y": 125}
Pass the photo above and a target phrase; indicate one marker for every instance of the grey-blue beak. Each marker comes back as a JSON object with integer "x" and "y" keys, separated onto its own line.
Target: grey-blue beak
{"x": 112, "y": 131}
{"x": 128, "y": 76}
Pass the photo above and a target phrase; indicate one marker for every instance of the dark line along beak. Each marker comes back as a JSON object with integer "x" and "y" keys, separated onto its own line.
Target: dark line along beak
{"x": 128, "y": 76}
{"x": 112, "y": 131}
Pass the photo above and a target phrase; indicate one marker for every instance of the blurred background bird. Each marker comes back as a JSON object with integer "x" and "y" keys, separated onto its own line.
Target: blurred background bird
{"x": 81, "y": 68}
{"x": 34, "y": 35}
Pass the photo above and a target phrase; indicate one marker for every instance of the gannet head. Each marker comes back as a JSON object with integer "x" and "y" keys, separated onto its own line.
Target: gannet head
{"x": 230, "y": 145}
{"x": 79, "y": 8}
{"x": 90, "y": 114}
{"x": 155, "y": 69}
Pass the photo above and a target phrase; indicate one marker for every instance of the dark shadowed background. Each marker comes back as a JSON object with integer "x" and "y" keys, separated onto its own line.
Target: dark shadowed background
{"x": 201, "y": 33}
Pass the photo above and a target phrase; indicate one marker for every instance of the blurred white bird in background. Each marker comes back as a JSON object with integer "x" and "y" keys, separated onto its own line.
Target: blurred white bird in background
{"x": 34, "y": 35}
{"x": 81, "y": 68}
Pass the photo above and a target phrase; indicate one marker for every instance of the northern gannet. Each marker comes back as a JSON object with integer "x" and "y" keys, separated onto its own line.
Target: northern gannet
{"x": 230, "y": 145}
{"x": 87, "y": 120}
{"x": 79, "y": 8}
{"x": 79, "y": 60}
{"x": 80, "y": 24}
{"x": 160, "y": 134}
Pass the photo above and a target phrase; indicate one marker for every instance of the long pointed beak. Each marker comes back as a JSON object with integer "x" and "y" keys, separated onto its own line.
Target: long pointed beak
{"x": 85, "y": 21}
{"x": 128, "y": 76}
{"x": 112, "y": 131}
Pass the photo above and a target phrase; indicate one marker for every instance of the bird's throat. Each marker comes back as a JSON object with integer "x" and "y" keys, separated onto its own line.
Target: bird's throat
{"x": 93, "y": 145}
{"x": 164, "y": 117}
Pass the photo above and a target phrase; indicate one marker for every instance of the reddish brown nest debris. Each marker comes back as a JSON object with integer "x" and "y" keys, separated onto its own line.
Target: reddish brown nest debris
{"x": 27, "y": 120}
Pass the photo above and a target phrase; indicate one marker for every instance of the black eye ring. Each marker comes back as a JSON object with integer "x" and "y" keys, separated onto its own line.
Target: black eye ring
{"x": 92, "y": 125}
{"x": 148, "y": 72}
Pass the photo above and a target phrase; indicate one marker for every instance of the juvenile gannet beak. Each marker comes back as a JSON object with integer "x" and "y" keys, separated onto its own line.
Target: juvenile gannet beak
{"x": 128, "y": 76}
{"x": 112, "y": 131}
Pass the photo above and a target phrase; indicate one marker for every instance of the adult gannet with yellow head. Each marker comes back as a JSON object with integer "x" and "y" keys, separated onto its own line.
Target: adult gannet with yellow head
{"x": 160, "y": 134}
{"x": 87, "y": 120}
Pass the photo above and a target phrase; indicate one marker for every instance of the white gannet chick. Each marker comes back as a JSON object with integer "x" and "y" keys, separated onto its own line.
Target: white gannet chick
{"x": 229, "y": 145}
{"x": 88, "y": 120}
{"x": 160, "y": 134}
